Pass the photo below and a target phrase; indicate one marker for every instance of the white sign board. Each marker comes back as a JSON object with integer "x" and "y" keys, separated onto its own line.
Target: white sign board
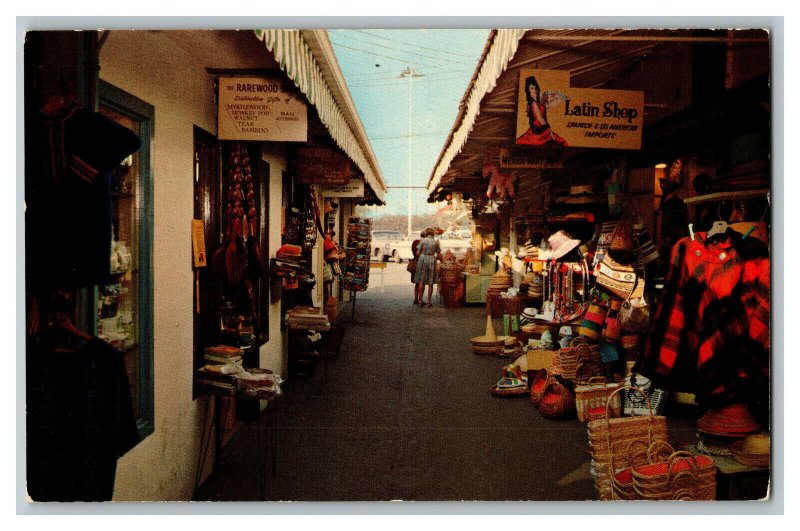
{"x": 355, "y": 188}
{"x": 253, "y": 108}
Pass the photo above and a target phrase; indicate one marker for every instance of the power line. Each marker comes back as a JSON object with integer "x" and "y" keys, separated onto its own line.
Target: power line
{"x": 409, "y": 136}
{"x": 365, "y": 78}
{"x": 404, "y": 61}
{"x": 394, "y": 49}
{"x": 430, "y": 80}
{"x": 396, "y": 41}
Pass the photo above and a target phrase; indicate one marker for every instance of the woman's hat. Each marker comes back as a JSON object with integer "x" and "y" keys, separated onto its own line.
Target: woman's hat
{"x": 488, "y": 343}
{"x": 511, "y": 384}
{"x": 561, "y": 244}
{"x": 752, "y": 450}
{"x": 729, "y": 421}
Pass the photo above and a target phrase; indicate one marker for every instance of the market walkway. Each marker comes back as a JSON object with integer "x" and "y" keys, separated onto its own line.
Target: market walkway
{"x": 405, "y": 414}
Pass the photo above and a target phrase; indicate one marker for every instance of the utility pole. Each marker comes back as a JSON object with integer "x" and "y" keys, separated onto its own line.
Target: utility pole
{"x": 408, "y": 73}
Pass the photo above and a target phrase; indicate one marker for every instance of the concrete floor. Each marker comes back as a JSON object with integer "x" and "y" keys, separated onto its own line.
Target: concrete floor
{"x": 404, "y": 413}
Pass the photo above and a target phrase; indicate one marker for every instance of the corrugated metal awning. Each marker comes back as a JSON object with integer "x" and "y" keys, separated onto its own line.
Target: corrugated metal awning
{"x": 308, "y": 60}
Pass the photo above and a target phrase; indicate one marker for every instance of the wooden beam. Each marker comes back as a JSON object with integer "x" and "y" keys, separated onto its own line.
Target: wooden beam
{"x": 723, "y": 196}
{"x": 644, "y": 38}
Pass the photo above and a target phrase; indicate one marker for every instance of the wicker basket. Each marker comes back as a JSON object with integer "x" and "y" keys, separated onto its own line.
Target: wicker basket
{"x": 683, "y": 476}
{"x": 623, "y": 481}
{"x": 591, "y": 399}
{"x": 611, "y": 438}
{"x": 450, "y": 272}
{"x": 557, "y": 401}
{"x": 581, "y": 361}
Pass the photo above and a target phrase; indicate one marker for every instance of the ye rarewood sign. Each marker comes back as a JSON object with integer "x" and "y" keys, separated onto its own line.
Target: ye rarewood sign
{"x": 260, "y": 109}
{"x": 551, "y": 113}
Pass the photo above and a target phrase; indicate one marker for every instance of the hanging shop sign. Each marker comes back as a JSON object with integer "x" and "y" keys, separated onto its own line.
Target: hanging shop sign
{"x": 353, "y": 188}
{"x": 260, "y": 109}
{"x": 551, "y": 113}
{"x": 516, "y": 160}
{"x": 323, "y": 166}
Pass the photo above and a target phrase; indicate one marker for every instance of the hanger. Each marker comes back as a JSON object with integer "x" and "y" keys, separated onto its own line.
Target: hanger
{"x": 719, "y": 226}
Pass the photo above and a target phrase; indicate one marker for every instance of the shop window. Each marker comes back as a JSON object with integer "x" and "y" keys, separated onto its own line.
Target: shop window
{"x": 124, "y": 308}
{"x": 231, "y": 300}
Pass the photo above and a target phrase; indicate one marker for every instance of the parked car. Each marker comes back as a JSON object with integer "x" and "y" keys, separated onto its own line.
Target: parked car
{"x": 457, "y": 245}
{"x": 390, "y": 245}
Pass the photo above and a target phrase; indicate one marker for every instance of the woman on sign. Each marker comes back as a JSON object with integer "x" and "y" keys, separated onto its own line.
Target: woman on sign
{"x": 426, "y": 274}
{"x": 539, "y": 132}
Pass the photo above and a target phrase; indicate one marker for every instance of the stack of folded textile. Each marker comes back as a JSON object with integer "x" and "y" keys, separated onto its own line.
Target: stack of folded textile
{"x": 289, "y": 262}
{"x": 307, "y": 318}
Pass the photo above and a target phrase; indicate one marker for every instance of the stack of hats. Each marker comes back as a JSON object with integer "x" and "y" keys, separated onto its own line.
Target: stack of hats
{"x": 532, "y": 285}
{"x": 512, "y": 347}
{"x": 578, "y": 195}
{"x": 488, "y": 343}
{"x": 578, "y": 205}
{"x": 500, "y": 281}
{"x": 528, "y": 316}
{"x": 528, "y": 252}
{"x": 734, "y": 420}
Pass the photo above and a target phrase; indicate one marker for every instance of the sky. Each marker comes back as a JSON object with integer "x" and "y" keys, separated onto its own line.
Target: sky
{"x": 372, "y": 61}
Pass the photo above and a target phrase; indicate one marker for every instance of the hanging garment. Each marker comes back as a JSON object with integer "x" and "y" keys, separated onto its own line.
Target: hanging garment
{"x": 80, "y": 419}
{"x": 714, "y": 319}
{"x": 68, "y": 222}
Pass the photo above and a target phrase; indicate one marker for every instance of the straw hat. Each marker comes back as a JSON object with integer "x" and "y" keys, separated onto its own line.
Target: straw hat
{"x": 511, "y": 384}
{"x": 578, "y": 195}
{"x": 561, "y": 244}
{"x": 730, "y": 421}
{"x": 488, "y": 343}
{"x": 752, "y": 450}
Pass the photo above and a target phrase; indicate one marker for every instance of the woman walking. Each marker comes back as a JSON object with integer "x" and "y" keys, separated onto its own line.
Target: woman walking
{"x": 414, "y": 253}
{"x": 429, "y": 251}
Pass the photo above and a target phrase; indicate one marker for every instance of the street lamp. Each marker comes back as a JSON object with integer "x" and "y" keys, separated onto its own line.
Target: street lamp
{"x": 408, "y": 73}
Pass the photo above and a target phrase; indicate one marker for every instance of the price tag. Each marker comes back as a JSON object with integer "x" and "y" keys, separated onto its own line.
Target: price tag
{"x": 199, "y": 243}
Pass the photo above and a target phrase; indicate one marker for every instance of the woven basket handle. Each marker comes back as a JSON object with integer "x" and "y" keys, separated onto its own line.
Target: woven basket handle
{"x": 578, "y": 341}
{"x": 645, "y": 451}
{"x": 596, "y": 379}
{"x": 638, "y": 390}
{"x": 674, "y": 459}
{"x": 651, "y": 450}
{"x": 683, "y": 495}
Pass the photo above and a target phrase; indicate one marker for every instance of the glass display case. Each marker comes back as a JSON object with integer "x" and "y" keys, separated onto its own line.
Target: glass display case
{"x": 123, "y": 308}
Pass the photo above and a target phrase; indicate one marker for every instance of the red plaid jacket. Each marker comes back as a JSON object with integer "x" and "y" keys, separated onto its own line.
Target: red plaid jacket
{"x": 714, "y": 317}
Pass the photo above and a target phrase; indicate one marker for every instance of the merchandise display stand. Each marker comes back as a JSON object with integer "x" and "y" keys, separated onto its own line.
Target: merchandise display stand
{"x": 264, "y": 422}
{"x": 356, "y": 277}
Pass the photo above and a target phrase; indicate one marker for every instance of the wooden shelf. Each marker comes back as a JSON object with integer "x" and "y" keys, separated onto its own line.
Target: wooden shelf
{"x": 723, "y": 196}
